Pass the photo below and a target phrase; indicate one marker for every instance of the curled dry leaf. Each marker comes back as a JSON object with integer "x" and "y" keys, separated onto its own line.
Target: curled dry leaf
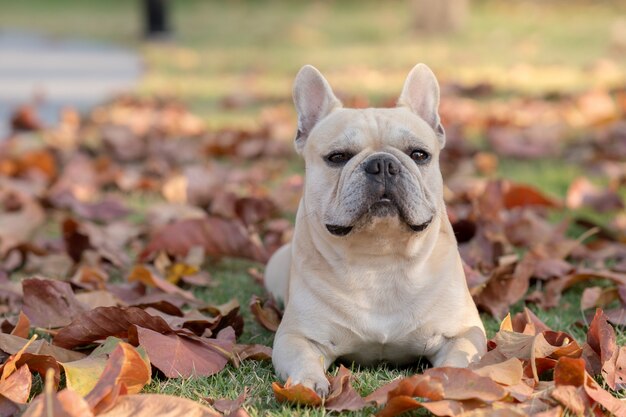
{"x": 295, "y": 394}
{"x": 342, "y": 395}
{"x": 251, "y": 352}
{"x": 604, "y": 350}
{"x": 125, "y": 368}
{"x": 267, "y": 313}
{"x": 224, "y": 405}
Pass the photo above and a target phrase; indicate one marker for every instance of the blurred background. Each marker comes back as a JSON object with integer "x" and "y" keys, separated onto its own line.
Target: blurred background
{"x": 229, "y": 60}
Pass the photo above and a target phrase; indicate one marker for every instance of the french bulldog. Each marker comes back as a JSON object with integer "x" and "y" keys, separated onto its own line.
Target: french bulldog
{"x": 373, "y": 273}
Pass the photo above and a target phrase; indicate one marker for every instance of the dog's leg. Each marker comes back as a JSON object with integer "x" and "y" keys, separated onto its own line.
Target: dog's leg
{"x": 302, "y": 360}
{"x": 277, "y": 273}
{"x": 461, "y": 350}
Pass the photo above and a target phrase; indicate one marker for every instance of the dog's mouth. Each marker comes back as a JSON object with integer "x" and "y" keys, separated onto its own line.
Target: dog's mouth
{"x": 384, "y": 207}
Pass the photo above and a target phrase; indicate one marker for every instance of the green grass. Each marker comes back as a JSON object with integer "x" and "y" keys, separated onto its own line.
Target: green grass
{"x": 252, "y": 49}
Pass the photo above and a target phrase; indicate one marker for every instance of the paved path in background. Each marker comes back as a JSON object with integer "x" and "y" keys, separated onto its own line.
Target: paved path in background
{"x": 60, "y": 72}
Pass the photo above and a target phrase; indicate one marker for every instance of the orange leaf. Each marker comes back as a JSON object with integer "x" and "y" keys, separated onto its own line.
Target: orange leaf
{"x": 16, "y": 387}
{"x": 22, "y": 328}
{"x": 297, "y": 394}
{"x": 125, "y": 368}
{"x": 569, "y": 371}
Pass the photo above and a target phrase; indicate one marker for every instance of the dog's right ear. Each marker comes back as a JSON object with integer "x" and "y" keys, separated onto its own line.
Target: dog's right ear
{"x": 314, "y": 100}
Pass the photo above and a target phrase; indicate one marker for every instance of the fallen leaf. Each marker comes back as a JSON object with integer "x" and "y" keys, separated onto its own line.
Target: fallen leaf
{"x": 103, "y": 322}
{"x": 12, "y": 344}
{"x": 219, "y": 238}
{"x": 295, "y": 394}
{"x": 16, "y": 386}
{"x": 227, "y": 406}
{"x": 609, "y": 402}
{"x": 509, "y": 372}
{"x": 126, "y": 368}
{"x": 251, "y": 352}
{"x": 342, "y": 395}
{"x": 58, "y": 404}
{"x": 22, "y": 327}
{"x": 143, "y": 274}
{"x": 570, "y": 397}
{"x": 266, "y": 313}
{"x": 151, "y": 405}
{"x": 569, "y": 371}
{"x": 81, "y": 376}
{"x": 184, "y": 356}
{"x": 464, "y": 384}
{"x": 582, "y": 193}
{"x": 521, "y": 195}
{"x": 50, "y": 303}
{"x": 601, "y": 338}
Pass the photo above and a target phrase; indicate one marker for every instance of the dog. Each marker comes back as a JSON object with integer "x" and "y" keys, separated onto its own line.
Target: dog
{"x": 373, "y": 273}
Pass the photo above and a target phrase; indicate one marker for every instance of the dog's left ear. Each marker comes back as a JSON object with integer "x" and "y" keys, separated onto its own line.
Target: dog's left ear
{"x": 421, "y": 94}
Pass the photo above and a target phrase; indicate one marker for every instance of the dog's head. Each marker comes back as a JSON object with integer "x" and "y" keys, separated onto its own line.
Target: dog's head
{"x": 370, "y": 168}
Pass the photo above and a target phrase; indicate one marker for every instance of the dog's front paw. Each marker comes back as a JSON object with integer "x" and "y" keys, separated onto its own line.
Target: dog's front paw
{"x": 317, "y": 383}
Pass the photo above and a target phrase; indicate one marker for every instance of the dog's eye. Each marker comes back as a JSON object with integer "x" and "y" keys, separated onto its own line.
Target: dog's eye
{"x": 420, "y": 156}
{"x": 339, "y": 158}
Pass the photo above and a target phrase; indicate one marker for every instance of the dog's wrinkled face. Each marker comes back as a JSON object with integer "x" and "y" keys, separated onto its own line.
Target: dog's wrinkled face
{"x": 368, "y": 168}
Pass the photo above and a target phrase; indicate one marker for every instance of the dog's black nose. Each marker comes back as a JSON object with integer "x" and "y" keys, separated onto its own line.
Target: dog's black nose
{"x": 382, "y": 165}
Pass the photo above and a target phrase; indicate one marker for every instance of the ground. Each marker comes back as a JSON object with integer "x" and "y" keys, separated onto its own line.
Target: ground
{"x": 249, "y": 51}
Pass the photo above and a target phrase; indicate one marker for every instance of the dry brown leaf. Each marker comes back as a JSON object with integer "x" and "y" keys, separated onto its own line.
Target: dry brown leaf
{"x": 219, "y": 238}
{"x": 50, "y": 303}
{"x": 16, "y": 386}
{"x": 267, "y": 313}
{"x": 12, "y": 344}
{"x": 178, "y": 355}
{"x": 151, "y": 405}
{"x": 22, "y": 327}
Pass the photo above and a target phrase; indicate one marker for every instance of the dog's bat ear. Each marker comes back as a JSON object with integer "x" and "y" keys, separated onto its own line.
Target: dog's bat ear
{"x": 314, "y": 100}
{"x": 421, "y": 94}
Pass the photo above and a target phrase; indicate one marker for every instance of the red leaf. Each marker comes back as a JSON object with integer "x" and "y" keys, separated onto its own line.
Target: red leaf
{"x": 219, "y": 237}
{"x": 521, "y": 195}
{"x": 184, "y": 356}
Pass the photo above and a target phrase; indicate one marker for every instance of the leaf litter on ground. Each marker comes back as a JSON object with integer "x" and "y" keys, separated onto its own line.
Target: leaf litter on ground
{"x": 109, "y": 283}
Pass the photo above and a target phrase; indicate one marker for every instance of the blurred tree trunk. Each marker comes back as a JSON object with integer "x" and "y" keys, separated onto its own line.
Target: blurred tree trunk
{"x": 439, "y": 16}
